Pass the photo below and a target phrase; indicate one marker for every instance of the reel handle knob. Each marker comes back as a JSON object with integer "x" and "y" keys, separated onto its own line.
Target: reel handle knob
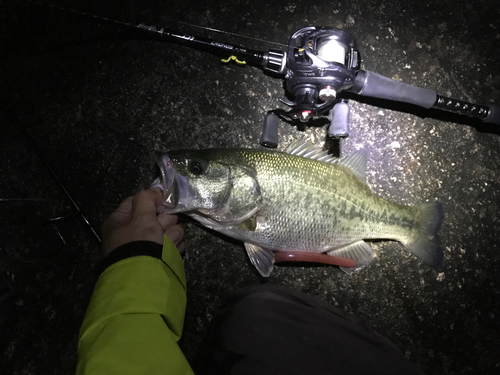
{"x": 270, "y": 136}
{"x": 339, "y": 126}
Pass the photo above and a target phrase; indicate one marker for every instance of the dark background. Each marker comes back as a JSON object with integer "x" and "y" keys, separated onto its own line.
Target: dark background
{"x": 97, "y": 101}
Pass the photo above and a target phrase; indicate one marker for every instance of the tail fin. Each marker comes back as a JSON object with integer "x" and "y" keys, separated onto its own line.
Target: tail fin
{"x": 428, "y": 245}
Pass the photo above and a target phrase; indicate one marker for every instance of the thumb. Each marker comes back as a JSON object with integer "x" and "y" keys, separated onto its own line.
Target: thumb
{"x": 121, "y": 215}
{"x": 145, "y": 202}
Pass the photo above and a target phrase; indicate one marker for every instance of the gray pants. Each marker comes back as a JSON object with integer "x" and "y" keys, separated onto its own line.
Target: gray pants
{"x": 271, "y": 329}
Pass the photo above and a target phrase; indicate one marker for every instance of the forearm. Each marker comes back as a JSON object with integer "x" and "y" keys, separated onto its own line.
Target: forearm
{"x": 135, "y": 317}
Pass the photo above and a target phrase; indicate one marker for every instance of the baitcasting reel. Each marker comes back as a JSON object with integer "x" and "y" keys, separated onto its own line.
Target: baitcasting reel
{"x": 319, "y": 63}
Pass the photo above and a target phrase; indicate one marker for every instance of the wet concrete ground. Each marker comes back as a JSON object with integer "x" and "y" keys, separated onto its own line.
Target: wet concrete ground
{"x": 97, "y": 101}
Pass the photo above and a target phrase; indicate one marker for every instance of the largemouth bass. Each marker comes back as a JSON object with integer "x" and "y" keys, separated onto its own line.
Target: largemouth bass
{"x": 300, "y": 200}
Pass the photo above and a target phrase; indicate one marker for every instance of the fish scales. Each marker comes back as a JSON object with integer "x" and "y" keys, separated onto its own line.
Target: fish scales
{"x": 283, "y": 201}
{"x": 317, "y": 206}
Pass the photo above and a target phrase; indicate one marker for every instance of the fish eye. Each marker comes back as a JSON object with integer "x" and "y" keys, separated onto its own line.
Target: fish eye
{"x": 195, "y": 167}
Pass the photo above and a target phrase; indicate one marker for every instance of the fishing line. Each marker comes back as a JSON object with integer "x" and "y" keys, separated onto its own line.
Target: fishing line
{"x": 16, "y": 123}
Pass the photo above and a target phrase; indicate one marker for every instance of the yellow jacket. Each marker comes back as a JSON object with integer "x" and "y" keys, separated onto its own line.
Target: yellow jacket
{"x": 135, "y": 316}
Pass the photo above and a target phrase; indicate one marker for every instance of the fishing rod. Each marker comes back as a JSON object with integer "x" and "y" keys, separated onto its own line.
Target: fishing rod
{"x": 14, "y": 121}
{"x": 318, "y": 64}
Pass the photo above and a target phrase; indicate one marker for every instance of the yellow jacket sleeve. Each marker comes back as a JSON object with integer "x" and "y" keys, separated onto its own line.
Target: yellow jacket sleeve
{"x": 135, "y": 318}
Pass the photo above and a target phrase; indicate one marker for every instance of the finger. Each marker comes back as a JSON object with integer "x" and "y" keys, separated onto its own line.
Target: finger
{"x": 120, "y": 215}
{"x": 181, "y": 247}
{"x": 160, "y": 208}
{"x": 145, "y": 202}
{"x": 157, "y": 190}
{"x": 124, "y": 209}
{"x": 175, "y": 233}
{"x": 166, "y": 220}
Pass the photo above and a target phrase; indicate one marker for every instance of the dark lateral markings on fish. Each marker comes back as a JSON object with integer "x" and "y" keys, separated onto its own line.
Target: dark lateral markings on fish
{"x": 301, "y": 200}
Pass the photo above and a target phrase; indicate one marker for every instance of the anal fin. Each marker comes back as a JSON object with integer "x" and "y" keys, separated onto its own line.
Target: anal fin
{"x": 358, "y": 251}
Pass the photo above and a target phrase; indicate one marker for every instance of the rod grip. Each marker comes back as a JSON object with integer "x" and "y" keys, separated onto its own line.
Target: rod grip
{"x": 378, "y": 86}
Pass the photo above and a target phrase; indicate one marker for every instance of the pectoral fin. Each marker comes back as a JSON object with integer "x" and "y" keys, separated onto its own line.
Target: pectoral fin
{"x": 261, "y": 258}
{"x": 250, "y": 224}
{"x": 358, "y": 251}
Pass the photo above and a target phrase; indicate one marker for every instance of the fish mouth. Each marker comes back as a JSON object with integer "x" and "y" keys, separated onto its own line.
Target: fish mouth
{"x": 175, "y": 186}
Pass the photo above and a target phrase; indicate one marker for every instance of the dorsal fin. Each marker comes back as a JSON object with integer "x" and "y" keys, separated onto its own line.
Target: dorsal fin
{"x": 305, "y": 148}
{"x": 355, "y": 162}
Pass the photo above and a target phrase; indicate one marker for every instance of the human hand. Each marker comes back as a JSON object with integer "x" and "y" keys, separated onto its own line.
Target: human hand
{"x": 136, "y": 219}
